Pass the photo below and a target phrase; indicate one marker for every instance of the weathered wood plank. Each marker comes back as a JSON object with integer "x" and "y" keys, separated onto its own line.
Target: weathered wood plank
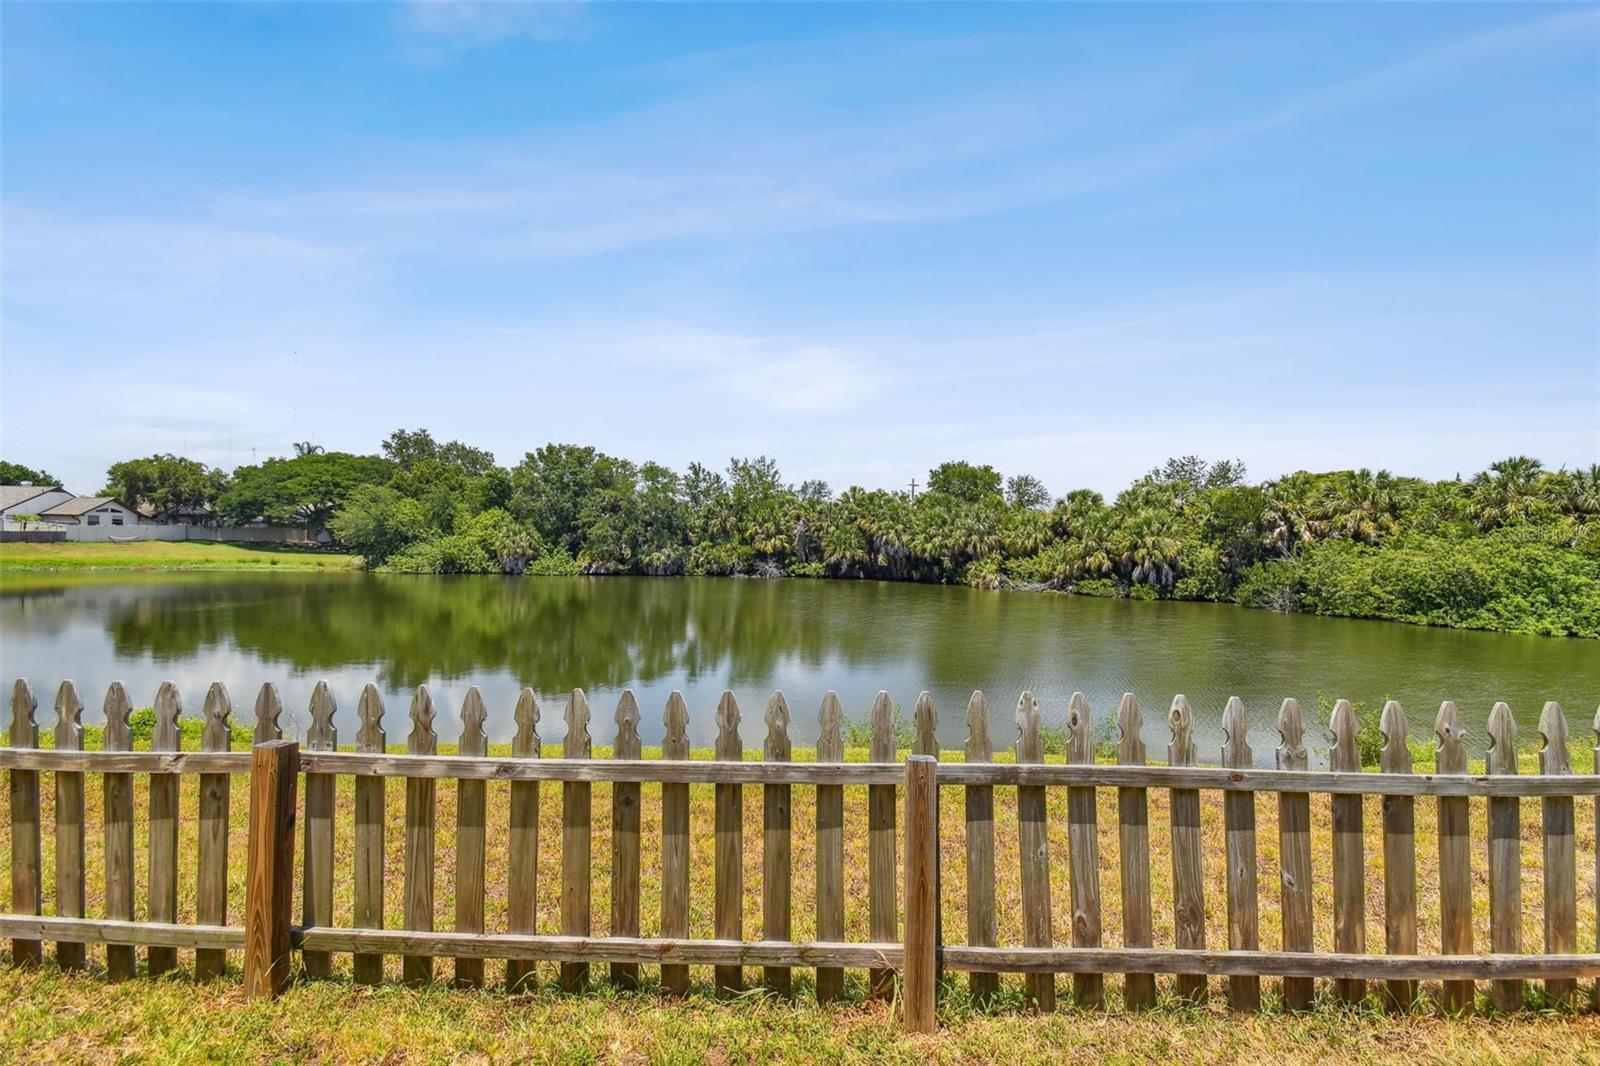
{"x": 1188, "y": 878}
{"x": 69, "y": 823}
{"x": 1239, "y": 824}
{"x": 776, "y": 849}
{"x": 1559, "y": 825}
{"x": 882, "y": 875}
{"x": 625, "y": 840}
{"x": 1083, "y": 852}
{"x": 1505, "y": 858}
{"x": 472, "y": 818}
{"x": 370, "y": 818}
{"x": 1455, "y": 857}
{"x": 1033, "y": 843}
{"x": 576, "y": 835}
{"x": 211, "y": 896}
{"x": 1399, "y": 854}
{"x": 1349, "y": 856}
{"x": 919, "y": 966}
{"x": 1294, "y": 851}
{"x": 163, "y": 883}
{"x": 268, "y": 709}
{"x": 982, "y": 921}
{"x": 522, "y": 890}
{"x": 675, "y": 844}
{"x": 27, "y": 889}
{"x": 728, "y": 895}
{"x": 712, "y": 771}
{"x": 1133, "y": 834}
{"x": 316, "y": 880}
{"x": 420, "y": 834}
{"x": 821, "y": 953}
{"x": 117, "y": 800}
{"x": 830, "y": 845}
{"x": 269, "y": 877}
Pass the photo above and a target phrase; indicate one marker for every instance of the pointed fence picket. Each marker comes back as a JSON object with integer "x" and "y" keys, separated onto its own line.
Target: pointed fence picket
{"x": 903, "y": 955}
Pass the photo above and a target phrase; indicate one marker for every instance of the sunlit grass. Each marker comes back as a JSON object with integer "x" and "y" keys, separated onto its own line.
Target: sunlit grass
{"x": 169, "y": 555}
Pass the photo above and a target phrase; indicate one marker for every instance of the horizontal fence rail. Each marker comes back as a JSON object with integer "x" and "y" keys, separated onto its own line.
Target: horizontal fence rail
{"x": 295, "y": 817}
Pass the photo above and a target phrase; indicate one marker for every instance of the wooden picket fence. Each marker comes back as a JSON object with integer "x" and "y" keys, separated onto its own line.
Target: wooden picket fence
{"x": 905, "y": 890}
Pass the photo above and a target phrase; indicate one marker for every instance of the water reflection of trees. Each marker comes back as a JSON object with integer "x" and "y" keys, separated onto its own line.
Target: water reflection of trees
{"x": 549, "y": 633}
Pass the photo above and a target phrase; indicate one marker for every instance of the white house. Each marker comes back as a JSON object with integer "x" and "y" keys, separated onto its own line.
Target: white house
{"x": 30, "y": 499}
{"x": 91, "y": 511}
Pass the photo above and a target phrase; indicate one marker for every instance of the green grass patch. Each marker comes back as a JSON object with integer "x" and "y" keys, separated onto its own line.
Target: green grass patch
{"x": 169, "y": 555}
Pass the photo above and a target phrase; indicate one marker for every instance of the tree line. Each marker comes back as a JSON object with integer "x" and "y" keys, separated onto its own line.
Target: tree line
{"x": 1515, "y": 547}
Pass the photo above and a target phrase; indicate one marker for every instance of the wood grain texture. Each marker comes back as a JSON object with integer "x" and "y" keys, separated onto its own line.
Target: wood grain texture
{"x": 1455, "y": 858}
{"x": 776, "y": 848}
{"x": 269, "y": 875}
{"x": 728, "y": 893}
{"x": 69, "y": 823}
{"x": 714, "y": 771}
{"x": 882, "y": 872}
{"x": 370, "y": 818}
{"x": 625, "y": 840}
{"x": 472, "y": 816}
{"x": 675, "y": 844}
{"x": 211, "y": 895}
{"x": 522, "y": 876}
{"x": 420, "y": 859}
{"x": 27, "y": 874}
{"x": 1399, "y": 854}
{"x": 316, "y": 874}
{"x": 830, "y": 845}
{"x": 1559, "y": 825}
{"x": 919, "y": 964}
{"x": 1505, "y": 858}
{"x": 576, "y": 836}
{"x": 268, "y": 711}
{"x": 117, "y": 802}
{"x": 1083, "y": 852}
{"x": 1188, "y": 878}
{"x": 1349, "y": 856}
{"x": 1239, "y": 826}
{"x": 982, "y": 920}
{"x": 821, "y": 953}
{"x": 1033, "y": 845}
{"x": 1294, "y": 854}
{"x": 1133, "y": 838}
{"x": 163, "y": 881}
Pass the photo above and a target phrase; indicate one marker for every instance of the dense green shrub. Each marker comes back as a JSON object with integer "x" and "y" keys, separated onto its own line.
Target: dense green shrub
{"x": 554, "y": 563}
{"x": 455, "y": 553}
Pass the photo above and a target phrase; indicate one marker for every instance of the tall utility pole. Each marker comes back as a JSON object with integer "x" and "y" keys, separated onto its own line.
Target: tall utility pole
{"x": 913, "y": 488}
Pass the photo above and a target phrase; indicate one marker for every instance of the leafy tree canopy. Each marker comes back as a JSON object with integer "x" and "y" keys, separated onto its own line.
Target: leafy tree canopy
{"x": 167, "y": 484}
{"x": 17, "y": 474}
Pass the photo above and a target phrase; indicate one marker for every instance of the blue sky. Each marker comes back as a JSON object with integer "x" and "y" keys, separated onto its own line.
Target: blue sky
{"x": 1064, "y": 240}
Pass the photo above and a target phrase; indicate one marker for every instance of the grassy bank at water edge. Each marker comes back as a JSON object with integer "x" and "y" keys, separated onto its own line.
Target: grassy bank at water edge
{"x": 169, "y": 555}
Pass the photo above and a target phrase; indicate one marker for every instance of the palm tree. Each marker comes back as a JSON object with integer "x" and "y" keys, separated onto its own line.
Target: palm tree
{"x": 1506, "y": 492}
{"x": 303, "y": 448}
{"x": 1150, "y": 550}
{"x": 1362, "y": 505}
{"x": 1291, "y": 515}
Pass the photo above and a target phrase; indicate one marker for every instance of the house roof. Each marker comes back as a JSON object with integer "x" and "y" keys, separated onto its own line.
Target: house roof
{"x": 78, "y": 505}
{"x": 12, "y": 495}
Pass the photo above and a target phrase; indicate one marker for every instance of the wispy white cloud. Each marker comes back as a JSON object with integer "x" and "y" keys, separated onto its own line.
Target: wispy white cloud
{"x": 436, "y": 30}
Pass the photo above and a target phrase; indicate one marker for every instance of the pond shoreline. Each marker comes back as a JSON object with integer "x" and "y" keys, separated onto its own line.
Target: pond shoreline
{"x": 224, "y": 557}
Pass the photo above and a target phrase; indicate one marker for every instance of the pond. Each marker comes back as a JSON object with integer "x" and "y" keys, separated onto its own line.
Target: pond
{"x": 702, "y": 635}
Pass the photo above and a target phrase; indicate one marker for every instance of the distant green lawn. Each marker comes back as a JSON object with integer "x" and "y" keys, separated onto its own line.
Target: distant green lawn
{"x": 169, "y": 555}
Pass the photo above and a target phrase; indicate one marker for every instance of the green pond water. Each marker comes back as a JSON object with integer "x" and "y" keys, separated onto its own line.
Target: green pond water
{"x": 803, "y": 637}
